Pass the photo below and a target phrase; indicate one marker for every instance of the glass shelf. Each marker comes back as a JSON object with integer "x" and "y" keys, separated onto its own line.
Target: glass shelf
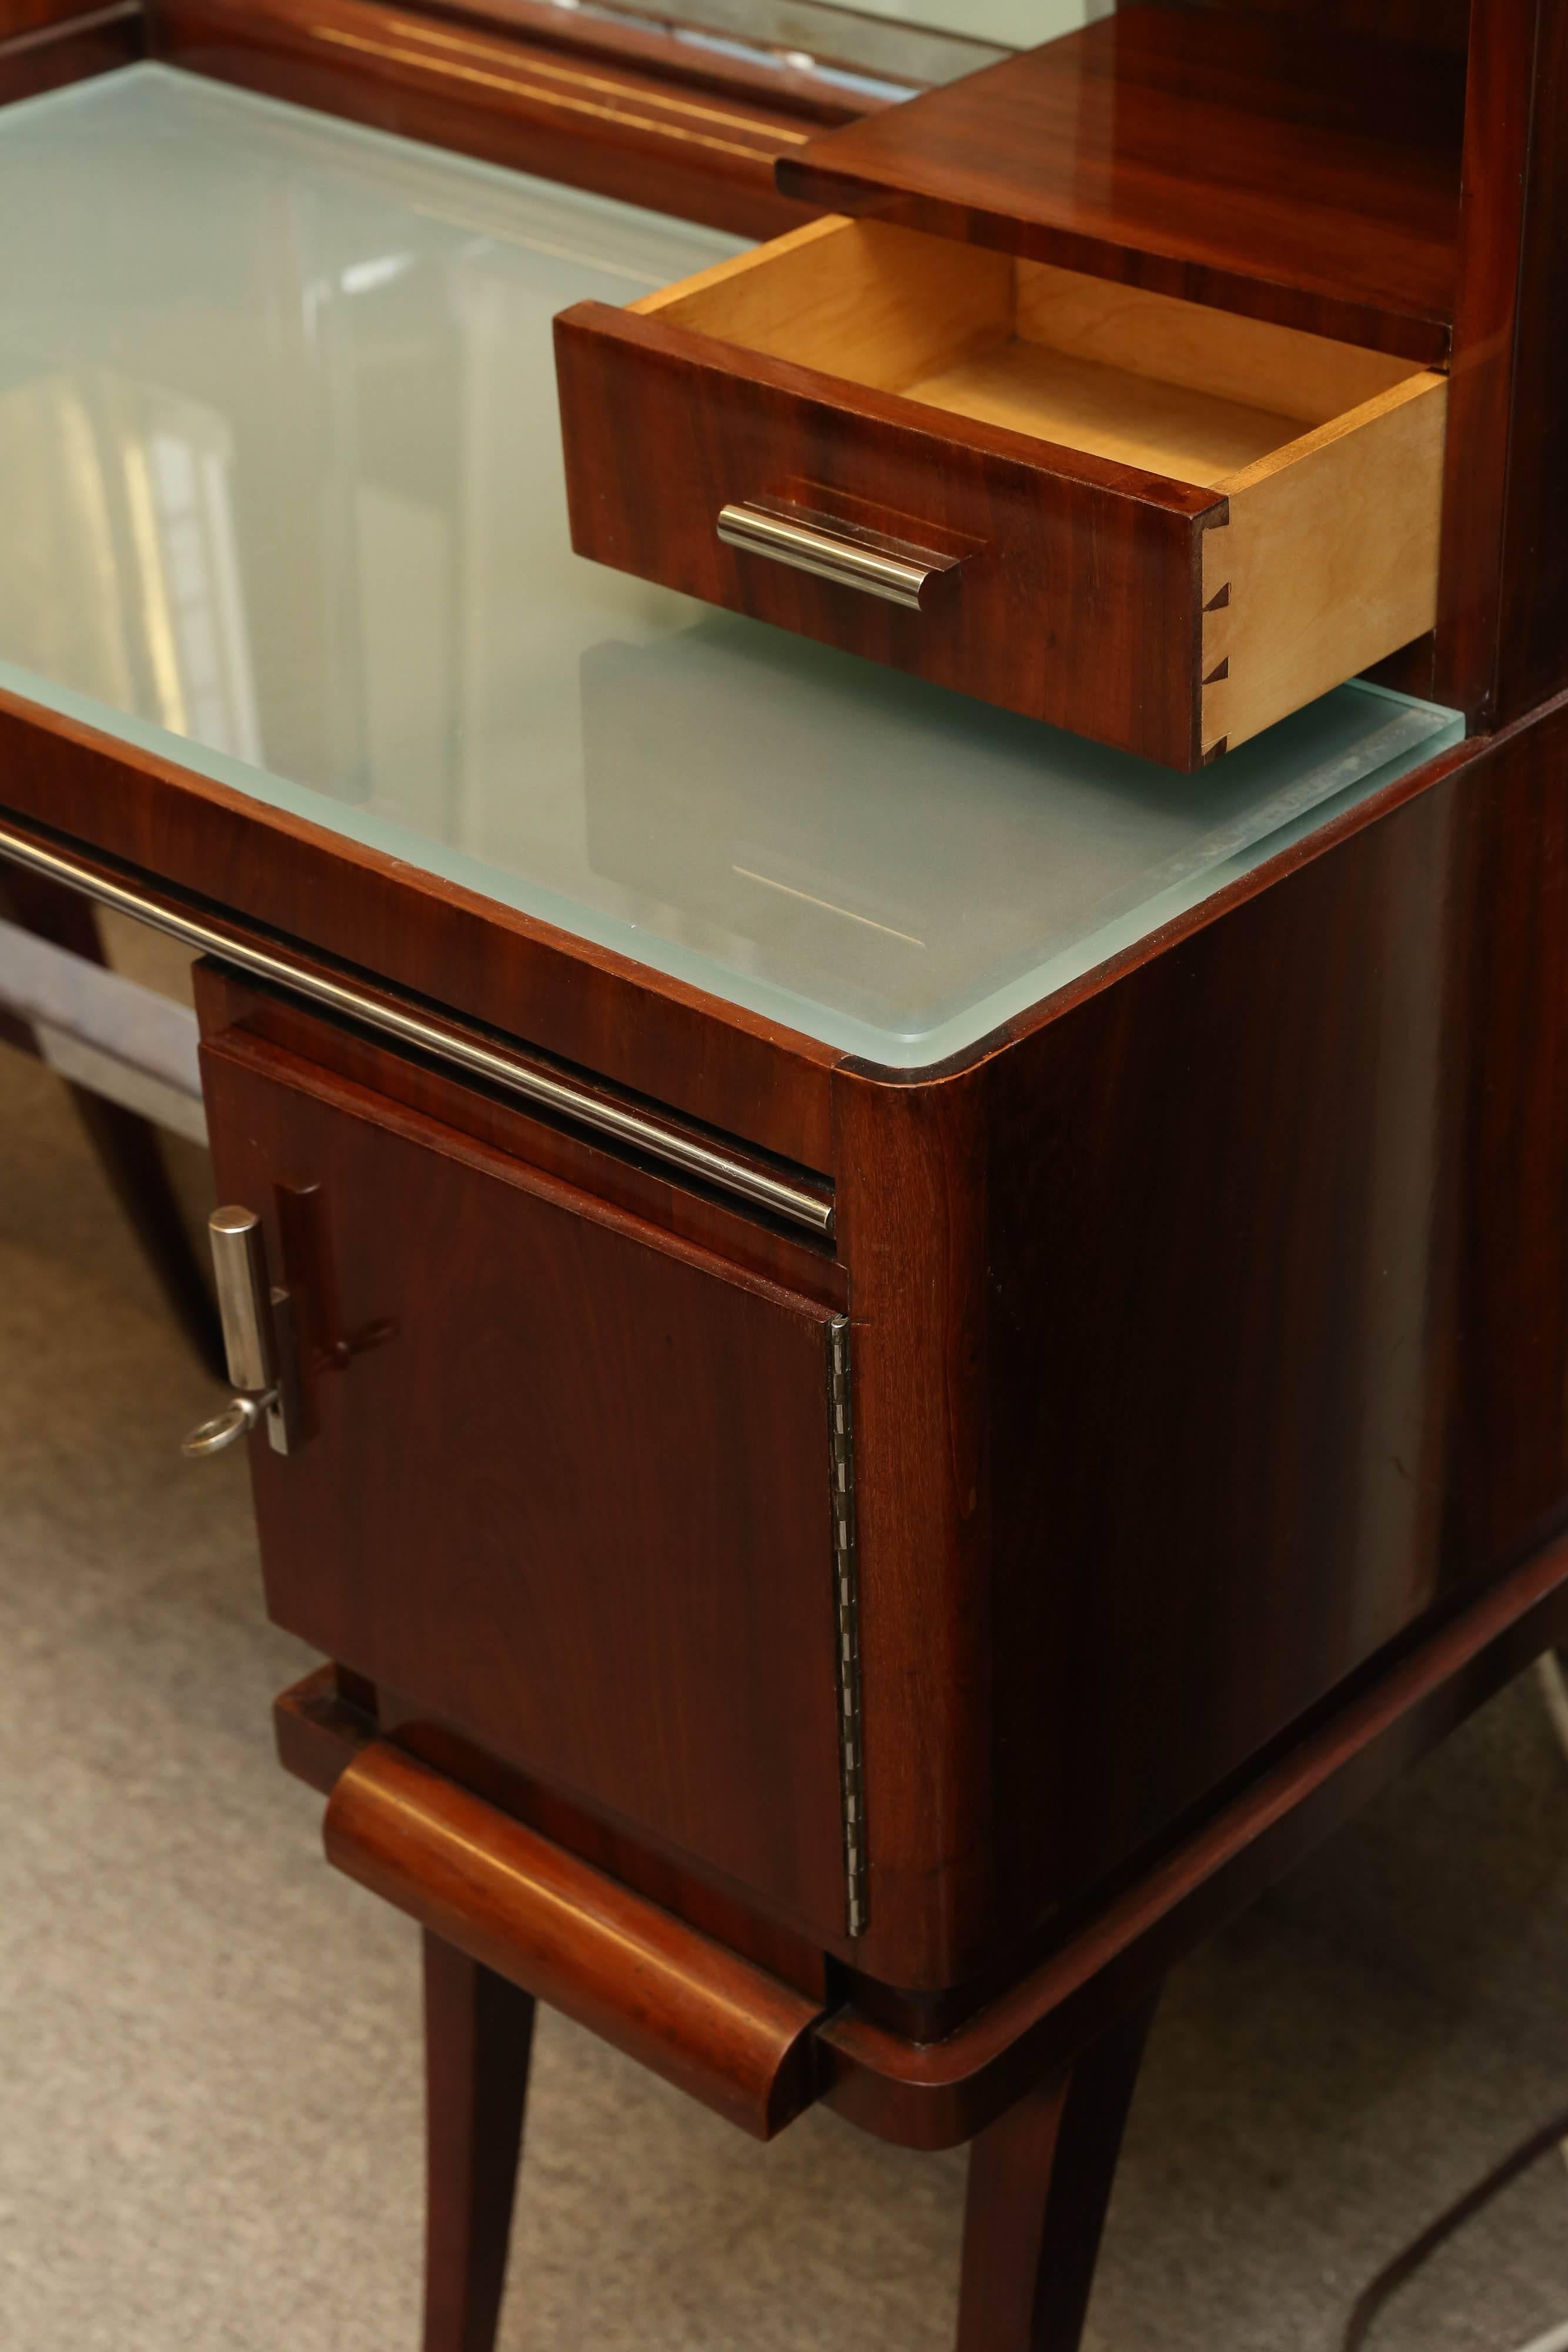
{"x": 280, "y": 465}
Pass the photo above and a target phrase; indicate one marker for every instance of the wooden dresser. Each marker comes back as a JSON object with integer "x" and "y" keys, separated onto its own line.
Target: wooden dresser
{"x": 892, "y": 1352}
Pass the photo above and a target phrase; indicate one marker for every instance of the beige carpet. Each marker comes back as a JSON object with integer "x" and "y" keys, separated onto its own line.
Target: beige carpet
{"x": 209, "y": 2074}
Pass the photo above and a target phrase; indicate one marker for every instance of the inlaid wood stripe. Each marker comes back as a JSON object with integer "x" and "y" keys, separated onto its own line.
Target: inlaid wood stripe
{"x": 521, "y": 82}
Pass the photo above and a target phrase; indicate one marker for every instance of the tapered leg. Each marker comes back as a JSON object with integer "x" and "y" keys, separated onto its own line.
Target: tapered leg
{"x": 479, "y": 2031}
{"x": 1040, "y": 2181}
{"x": 131, "y": 1156}
{"x": 126, "y": 1146}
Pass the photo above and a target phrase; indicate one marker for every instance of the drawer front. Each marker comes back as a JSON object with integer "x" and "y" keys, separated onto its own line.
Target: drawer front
{"x": 564, "y": 1482}
{"x": 1077, "y": 597}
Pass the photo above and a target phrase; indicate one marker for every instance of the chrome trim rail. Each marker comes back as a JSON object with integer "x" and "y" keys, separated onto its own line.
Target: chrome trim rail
{"x": 638, "y": 1130}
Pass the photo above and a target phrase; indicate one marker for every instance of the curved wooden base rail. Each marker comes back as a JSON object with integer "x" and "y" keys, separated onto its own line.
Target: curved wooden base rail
{"x": 713, "y": 2025}
{"x": 757, "y": 2050}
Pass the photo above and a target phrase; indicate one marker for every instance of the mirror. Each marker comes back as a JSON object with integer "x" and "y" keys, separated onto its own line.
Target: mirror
{"x": 906, "y": 40}
{"x": 1013, "y": 24}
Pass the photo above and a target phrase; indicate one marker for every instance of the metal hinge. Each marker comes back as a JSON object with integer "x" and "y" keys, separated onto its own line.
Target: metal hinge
{"x": 846, "y": 1602}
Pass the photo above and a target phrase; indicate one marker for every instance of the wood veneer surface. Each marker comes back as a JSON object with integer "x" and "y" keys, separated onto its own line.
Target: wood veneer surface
{"x": 564, "y": 1478}
{"x": 1207, "y": 1416}
{"x": 1190, "y": 435}
{"x": 1295, "y": 173}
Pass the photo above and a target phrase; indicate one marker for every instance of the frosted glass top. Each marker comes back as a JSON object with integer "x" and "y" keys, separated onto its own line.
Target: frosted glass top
{"x": 281, "y": 476}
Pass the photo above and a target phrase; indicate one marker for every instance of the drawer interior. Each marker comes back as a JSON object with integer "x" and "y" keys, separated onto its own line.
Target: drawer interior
{"x": 1197, "y": 395}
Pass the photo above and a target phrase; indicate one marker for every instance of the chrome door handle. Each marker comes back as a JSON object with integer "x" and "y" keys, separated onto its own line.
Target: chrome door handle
{"x": 828, "y": 550}
{"x": 239, "y": 1264}
{"x": 251, "y": 1312}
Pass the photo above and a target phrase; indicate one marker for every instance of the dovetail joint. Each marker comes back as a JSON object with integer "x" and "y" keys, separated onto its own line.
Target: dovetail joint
{"x": 846, "y": 1602}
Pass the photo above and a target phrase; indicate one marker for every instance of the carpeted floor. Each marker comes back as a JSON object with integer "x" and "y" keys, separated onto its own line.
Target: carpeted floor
{"x": 209, "y": 2073}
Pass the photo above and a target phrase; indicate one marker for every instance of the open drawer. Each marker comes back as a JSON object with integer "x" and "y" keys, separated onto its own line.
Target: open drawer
{"x": 1157, "y": 524}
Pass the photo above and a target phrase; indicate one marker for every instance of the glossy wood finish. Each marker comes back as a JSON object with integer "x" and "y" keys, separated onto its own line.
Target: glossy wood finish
{"x": 1497, "y": 120}
{"x": 1252, "y": 1300}
{"x": 1240, "y": 1331}
{"x": 918, "y": 1753}
{"x": 45, "y": 44}
{"x": 318, "y": 1731}
{"x": 489, "y": 92}
{"x": 1080, "y": 565}
{"x": 599, "y": 1011}
{"x": 939, "y": 2093}
{"x": 1532, "y": 647}
{"x": 1292, "y": 172}
{"x": 1040, "y": 2181}
{"x": 940, "y": 2090}
{"x": 478, "y": 2037}
{"x": 708, "y": 1901}
{"x": 1209, "y": 1348}
{"x": 1151, "y": 1214}
{"x": 321, "y": 1723}
{"x": 1429, "y": 23}
{"x": 20, "y": 19}
{"x": 714, "y": 2026}
{"x": 913, "y": 1221}
{"x": 567, "y": 1477}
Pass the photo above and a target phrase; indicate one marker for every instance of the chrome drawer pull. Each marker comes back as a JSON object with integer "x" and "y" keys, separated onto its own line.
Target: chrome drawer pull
{"x": 855, "y": 559}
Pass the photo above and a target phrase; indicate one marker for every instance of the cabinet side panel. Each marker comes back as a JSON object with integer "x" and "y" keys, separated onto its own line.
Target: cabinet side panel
{"x": 1279, "y": 1322}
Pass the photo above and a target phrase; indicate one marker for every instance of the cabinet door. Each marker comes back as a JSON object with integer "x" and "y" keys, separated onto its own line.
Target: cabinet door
{"x": 564, "y": 1481}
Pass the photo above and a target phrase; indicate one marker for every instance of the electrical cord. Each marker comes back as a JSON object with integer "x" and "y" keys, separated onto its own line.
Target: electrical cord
{"x": 1404, "y": 2267}
{"x": 1554, "y": 1691}
{"x": 1554, "y": 2340}
{"x": 1554, "y": 1681}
